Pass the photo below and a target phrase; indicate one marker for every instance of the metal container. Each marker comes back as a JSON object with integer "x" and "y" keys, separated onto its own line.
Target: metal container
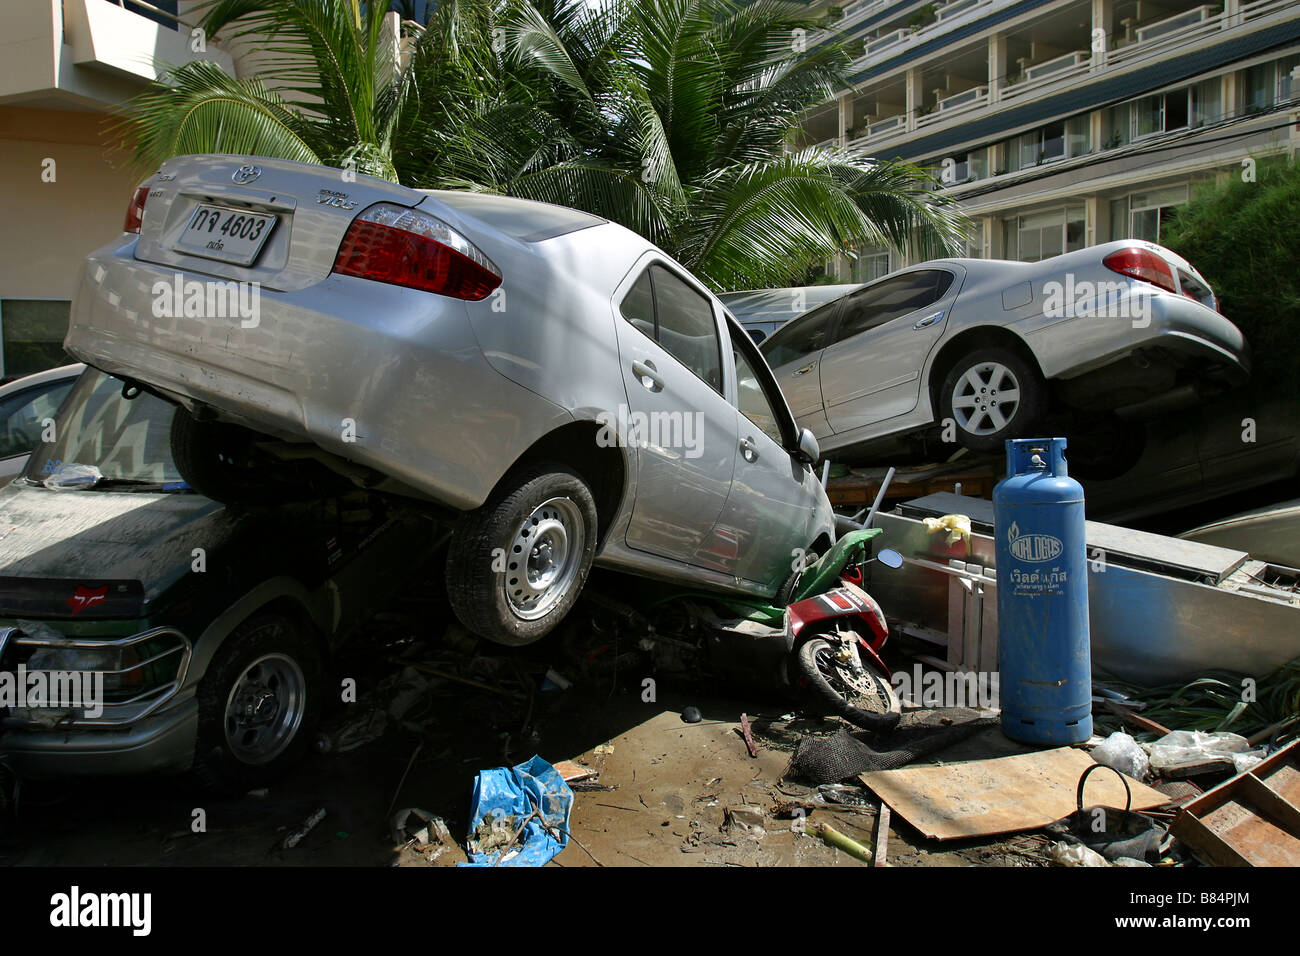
{"x": 1044, "y": 655}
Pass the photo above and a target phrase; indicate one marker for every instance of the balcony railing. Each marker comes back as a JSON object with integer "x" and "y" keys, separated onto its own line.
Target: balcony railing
{"x": 1060, "y": 64}
{"x": 971, "y": 97}
{"x": 1174, "y": 24}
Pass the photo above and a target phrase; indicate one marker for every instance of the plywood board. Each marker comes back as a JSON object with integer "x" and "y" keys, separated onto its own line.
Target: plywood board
{"x": 1003, "y": 795}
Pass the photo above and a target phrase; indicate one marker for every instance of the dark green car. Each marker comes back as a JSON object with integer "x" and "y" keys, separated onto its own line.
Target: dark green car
{"x": 212, "y": 627}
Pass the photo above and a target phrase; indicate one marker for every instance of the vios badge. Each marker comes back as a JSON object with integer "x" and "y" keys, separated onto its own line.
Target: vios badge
{"x": 246, "y": 174}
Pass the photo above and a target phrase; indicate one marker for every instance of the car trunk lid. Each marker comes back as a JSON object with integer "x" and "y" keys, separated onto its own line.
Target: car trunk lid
{"x": 250, "y": 219}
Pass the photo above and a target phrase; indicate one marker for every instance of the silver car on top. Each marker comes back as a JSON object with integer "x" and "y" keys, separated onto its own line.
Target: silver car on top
{"x": 561, "y": 387}
{"x": 993, "y": 345}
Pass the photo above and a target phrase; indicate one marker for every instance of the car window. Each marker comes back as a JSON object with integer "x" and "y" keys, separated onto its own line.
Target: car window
{"x": 126, "y": 439}
{"x": 799, "y": 337}
{"x": 891, "y": 298}
{"x": 753, "y": 401}
{"x": 680, "y": 319}
{"x": 22, "y": 416}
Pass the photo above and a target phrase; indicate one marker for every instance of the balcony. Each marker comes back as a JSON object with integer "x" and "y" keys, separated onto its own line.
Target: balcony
{"x": 975, "y": 96}
{"x": 1174, "y": 24}
{"x": 116, "y": 39}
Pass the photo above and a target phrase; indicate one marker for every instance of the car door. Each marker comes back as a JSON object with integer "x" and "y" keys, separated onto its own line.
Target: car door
{"x": 871, "y": 372}
{"x": 773, "y": 494}
{"x": 680, "y": 427}
{"x": 794, "y": 352}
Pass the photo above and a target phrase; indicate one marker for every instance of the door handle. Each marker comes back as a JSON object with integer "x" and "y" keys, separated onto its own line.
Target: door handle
{"x": 807, "y": 368}
{"x": 648, "y": 375}
{"x": 928, "y": 321}
{"x": 748, "y": 449}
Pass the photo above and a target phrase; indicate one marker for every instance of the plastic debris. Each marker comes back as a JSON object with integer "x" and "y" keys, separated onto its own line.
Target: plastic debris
{"x": 297, "y": 836}
{"x": 1076, "y": 854}
{"x": 957, "y": 526}
{"x": 1188, "y": 749}
{"x": 1121, "y": 752}
{"x": 691, "y": 715}
{"x": 519, "y": 816}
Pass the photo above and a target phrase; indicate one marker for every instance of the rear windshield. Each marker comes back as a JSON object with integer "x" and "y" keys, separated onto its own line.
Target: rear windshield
{"x": 521, "y": 219}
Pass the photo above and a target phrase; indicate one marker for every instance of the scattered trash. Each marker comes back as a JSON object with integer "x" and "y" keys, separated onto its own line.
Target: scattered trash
{"x": 1107, "y": 830}
{"x": 1075, "y": 854}
{"x": 554, "y": 680}
{"x": 691, "y": 715}
{"x": 1121, "y": 752}
{"x": 420, "y": 826}
{"x": 571, "y": 772}
{"x": 1185, "y": 753}
{"x": 297, "y": 836}
{"x": 832, "y": 837}
{"x": 519, "y": 816}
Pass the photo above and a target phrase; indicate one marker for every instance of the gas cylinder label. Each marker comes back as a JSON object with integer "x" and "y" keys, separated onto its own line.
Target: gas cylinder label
{"x": 1035, "y": 548}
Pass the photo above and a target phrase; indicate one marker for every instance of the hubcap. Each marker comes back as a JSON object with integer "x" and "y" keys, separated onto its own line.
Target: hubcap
{"x": 986, "y": 398}
{"x": 544, "y": 558}
{"x": 265, "y": 708}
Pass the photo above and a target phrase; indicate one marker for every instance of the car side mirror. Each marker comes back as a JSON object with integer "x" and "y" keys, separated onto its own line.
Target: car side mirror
{"x": 808, "y": 451}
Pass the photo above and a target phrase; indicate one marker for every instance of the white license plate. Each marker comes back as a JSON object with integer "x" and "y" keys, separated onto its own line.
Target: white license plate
{"x": 230, "y": 235}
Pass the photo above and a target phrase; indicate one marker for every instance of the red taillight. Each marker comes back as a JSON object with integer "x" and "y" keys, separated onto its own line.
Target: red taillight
{"x": 1141, "y": 264}
{"x": 401, "y": 246}
{"x": 135, "y": 211}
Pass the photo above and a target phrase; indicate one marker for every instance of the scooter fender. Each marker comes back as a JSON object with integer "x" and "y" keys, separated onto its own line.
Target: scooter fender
{"x": 817, "y": 614}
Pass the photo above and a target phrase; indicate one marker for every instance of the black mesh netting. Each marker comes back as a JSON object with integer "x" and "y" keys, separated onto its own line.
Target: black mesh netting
{"x": 843, "y": 755}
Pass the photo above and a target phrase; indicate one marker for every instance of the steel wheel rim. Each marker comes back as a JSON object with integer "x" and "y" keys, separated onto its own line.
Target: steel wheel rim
{"x": 986, "y": 398}
{"x": 544, "y": 557}
{"x": 849, "y": 685}
{"x": 265, "y": 708}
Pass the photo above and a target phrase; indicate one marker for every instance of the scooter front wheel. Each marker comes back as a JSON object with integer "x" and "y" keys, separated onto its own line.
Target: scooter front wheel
{"x": 863, "y": 698}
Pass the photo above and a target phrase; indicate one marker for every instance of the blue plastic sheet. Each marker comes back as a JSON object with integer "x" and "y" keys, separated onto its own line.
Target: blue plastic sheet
{"x": 503, "y": 799}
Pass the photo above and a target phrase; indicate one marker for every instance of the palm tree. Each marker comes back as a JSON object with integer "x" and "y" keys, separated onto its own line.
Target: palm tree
{"x": 672, "y": 117}
{"x": 338, "y": 84}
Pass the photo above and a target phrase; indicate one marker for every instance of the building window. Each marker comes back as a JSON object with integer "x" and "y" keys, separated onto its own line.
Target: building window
{"x": 974, "y": 248}
{"x": 1163, "y": 112}
{"x": 1059, "y": 140}
{"x": 870, "y": 264}
{"x": 1041, "y": 235}
{"x": 1142, "y": 215}
{"x": 31, "y": 336}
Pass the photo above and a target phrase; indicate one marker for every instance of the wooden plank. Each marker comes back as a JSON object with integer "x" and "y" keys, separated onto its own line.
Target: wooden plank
{"x": 1002, "y": 795}
{"x": 1252, "y": 819}
{"x": 882, "y": 836}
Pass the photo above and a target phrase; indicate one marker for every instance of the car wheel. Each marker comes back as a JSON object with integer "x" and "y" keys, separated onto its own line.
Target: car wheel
{"x": 222, "y": 462}
{"x": 516, "y": 565}
{"x": 258, "y": 704}
{"x": 1105, "y": 448}
{"x": 992, "y": 395}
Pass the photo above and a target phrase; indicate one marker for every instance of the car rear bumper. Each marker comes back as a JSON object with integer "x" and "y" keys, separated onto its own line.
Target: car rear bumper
{"x": 388, "y": 377}
{"x": 1190, "y": 333}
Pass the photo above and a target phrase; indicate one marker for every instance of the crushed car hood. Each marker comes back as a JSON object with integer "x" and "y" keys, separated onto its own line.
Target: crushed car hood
{"x": 91, "y": 538}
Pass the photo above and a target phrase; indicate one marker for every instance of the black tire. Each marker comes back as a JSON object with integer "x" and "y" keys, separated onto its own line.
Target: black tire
{"x": 1007, "y": 366}
{"x": 488, "y": 568}
{"x": 876, "y": 709}
{"x": 791, "y": 584}
{"x": 222, "y": 462}
{"x": 237, "y": 753}
{"x": 1110, "y": 448}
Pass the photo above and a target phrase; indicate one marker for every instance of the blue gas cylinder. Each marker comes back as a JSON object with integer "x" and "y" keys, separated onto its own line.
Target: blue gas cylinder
{"x": 1044, "y": 656}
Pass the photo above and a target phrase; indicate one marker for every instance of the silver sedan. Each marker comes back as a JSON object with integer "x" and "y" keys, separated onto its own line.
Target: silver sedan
{"x": 560, "y": 387}
{"x": 981, "y": 348}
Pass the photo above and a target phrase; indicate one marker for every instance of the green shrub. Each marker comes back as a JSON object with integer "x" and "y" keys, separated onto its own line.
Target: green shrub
{"x": 1242, "y": 236}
